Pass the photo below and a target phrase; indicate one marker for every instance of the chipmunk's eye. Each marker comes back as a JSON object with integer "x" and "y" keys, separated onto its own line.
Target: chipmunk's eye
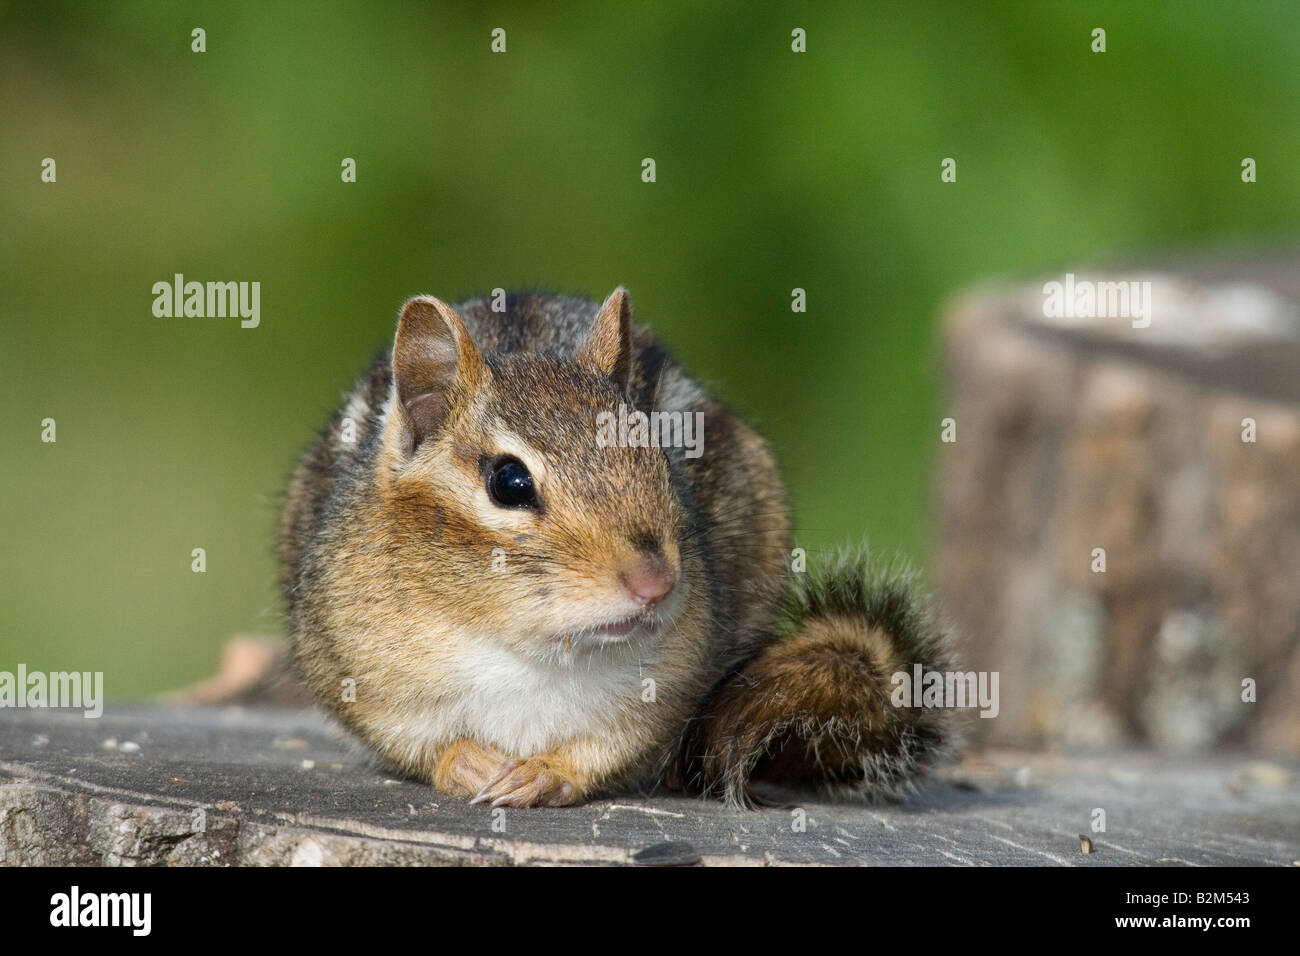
{"x": 510, "y": 484}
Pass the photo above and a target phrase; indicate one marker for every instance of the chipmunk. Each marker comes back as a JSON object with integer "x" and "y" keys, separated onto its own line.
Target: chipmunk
{"x": 504, "y": 605}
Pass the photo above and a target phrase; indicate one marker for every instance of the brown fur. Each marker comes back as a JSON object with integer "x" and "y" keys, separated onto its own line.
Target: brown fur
{"x": 812, "y": 711}
{"x": 388, "y": 542}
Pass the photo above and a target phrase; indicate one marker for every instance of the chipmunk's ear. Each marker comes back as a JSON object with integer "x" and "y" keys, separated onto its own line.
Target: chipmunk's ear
{"x": 435, "y": 366}
{"x": 609, "y": 349}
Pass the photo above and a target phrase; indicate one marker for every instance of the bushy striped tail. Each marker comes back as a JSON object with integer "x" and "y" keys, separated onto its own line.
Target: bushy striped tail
{"x": 809, "y": 705}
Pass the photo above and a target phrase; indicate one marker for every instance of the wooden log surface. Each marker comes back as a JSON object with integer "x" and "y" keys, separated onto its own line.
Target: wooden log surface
{"x": 235, "y": 785}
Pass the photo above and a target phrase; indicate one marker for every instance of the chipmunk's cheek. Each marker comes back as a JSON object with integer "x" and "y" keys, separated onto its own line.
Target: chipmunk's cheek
{"x": 532, "y": 612}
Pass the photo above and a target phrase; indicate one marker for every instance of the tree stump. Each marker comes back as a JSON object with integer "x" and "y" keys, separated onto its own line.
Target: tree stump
{"x": 1164, "y": 449}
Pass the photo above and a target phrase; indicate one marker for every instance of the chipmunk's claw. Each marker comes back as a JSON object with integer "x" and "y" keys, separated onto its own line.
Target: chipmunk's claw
{"x": 486, "y": 792}
{"x": 467, "y": 767}
{"x": 534, "y": 782}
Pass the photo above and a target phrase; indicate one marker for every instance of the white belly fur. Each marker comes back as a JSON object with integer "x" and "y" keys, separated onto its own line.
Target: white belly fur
{"x": 525, "y": 706}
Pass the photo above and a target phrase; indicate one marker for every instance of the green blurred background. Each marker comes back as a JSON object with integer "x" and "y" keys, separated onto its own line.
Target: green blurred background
{"x": 476, "y": 170}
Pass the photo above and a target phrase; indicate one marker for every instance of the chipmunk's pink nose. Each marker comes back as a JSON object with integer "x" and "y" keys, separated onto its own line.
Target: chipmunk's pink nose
{"x": 649, "y": 582}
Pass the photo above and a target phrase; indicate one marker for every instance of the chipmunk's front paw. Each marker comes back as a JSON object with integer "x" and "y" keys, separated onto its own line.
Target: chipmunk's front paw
{"x": 466, "y": 767}
{"x": 535, "y": 782}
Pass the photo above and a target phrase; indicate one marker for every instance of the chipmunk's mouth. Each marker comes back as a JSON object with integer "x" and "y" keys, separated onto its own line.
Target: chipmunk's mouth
{"x": 613, "y": 630}
{"x": 619, "y": 630}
